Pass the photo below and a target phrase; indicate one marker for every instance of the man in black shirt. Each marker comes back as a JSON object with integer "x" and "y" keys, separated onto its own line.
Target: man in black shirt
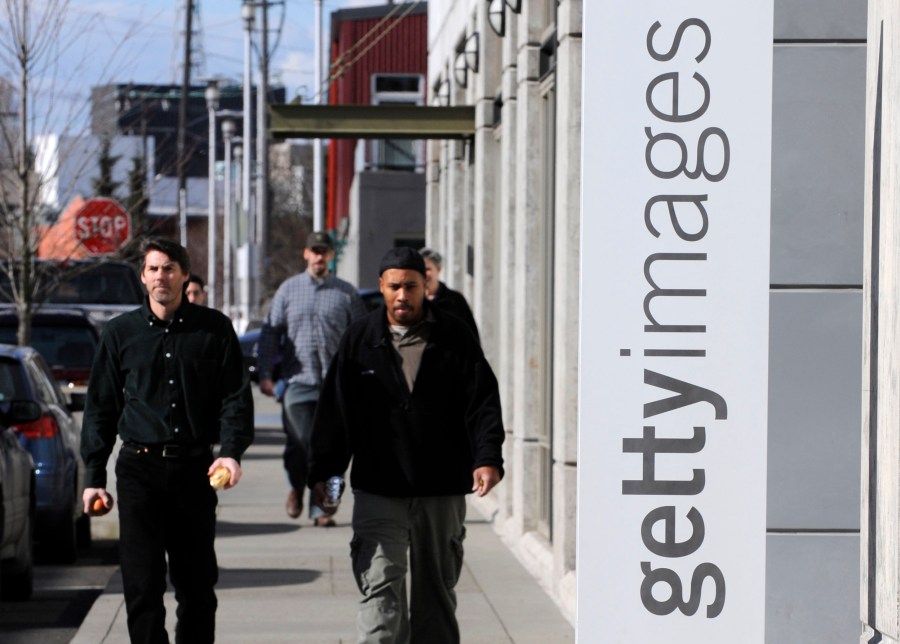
{"x": 168, "y": 379}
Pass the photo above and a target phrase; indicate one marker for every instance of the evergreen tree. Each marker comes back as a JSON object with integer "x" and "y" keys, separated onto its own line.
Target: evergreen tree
{"x": 136, "y": 201}
{"x": 104, "y": 186}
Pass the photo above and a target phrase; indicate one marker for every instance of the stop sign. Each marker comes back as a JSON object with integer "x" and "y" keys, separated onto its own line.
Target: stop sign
{"x": 102, "y": 225}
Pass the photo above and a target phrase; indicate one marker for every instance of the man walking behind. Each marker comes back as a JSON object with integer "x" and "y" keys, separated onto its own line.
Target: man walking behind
{"x": 411, "y": 398}
{"x": 168, "y": 378}
{"x": 309, "y": 313}
{"x": 442, "y": 296}
{"x": 195, "y": 290}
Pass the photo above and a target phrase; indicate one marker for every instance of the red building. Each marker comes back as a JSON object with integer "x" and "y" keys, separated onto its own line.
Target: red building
{"x": 378, "y": 56}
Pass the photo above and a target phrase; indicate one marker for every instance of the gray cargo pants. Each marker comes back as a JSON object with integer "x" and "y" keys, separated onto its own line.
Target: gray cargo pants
{"x": 431, "y": 530}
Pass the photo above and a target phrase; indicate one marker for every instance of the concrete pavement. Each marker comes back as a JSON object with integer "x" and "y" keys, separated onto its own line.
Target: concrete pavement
{"x": 283, "y": 580}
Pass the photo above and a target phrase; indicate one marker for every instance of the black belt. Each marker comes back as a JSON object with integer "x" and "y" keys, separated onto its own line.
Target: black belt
{"x": 170, "y": 450}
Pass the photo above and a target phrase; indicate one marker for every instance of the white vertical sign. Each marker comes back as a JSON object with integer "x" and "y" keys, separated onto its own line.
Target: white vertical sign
{"x": 674, "y": 321}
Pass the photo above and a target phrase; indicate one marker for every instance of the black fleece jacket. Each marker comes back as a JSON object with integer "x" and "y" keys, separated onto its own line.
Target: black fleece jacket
{"x": 421, "y": 443}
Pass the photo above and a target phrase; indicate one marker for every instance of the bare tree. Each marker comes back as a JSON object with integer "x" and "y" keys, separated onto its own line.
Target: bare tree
{"x": 291, "y": 212}
{"x": 35, "y": 100}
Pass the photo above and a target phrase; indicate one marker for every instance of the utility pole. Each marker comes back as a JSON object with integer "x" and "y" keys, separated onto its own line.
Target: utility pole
{"x": 182, "y": 124}
{"x": 262, "y": 158}
{"x": 318, "y": 210}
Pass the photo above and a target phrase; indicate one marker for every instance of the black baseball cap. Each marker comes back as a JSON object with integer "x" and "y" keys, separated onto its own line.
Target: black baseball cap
{"x": 402, "y": 257}
{"x": 319, "y": 240}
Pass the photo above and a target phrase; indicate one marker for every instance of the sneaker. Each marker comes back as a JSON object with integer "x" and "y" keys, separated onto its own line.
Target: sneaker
{"x": 294, "y": 504}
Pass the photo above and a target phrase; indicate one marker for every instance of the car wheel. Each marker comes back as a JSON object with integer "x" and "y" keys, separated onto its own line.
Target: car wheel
{"x": 18, "y": 572}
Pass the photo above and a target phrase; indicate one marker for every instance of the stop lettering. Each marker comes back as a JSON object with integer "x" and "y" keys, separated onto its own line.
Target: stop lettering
{"x": 102, "y": 225}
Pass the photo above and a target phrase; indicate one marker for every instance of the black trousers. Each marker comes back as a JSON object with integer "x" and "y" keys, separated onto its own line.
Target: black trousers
{"x": 167, "y": 507}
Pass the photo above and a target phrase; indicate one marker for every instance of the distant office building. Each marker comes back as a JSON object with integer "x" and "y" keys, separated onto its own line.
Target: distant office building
{"x": 69, "y": 165}
{"x": 151, "y": 112}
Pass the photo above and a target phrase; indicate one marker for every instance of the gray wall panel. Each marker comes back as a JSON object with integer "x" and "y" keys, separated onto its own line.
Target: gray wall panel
{"x": 812, "y": 588}
{"x": 818, "y": 127}
{"x": 820, "y": 19}
{"x": 392, "y": 208}
{"x": 815, "y": 363}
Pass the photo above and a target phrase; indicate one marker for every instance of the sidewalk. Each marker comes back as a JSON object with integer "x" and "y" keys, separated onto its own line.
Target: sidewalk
{"x": 285, "y": 581}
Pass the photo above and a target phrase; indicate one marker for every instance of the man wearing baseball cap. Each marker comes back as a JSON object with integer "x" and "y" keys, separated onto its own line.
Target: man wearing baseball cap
{"x": 308, "y": 315}
{"x": 412, "y": 400}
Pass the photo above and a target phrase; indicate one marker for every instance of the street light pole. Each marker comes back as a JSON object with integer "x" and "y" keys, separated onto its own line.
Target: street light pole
{"x": 212, "y": 104}
{"x": 262, "y": 156}
{"x": 228, "y": 130}
{"x": 248, "y": 13}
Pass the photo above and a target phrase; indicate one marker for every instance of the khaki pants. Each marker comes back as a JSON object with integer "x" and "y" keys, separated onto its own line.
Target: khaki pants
{"x": 431, "y": 530}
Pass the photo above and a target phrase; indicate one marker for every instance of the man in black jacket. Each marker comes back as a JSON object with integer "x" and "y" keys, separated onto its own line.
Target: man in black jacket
{"x": 442, "y": 296}
{"x": 410, "y": 397}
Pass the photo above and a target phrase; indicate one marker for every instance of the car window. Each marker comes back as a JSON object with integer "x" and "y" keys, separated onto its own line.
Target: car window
{"x": 12, "y": 386}
{"x": 81, "y": 283}
{"x": 100, "y": 284}
{"x": 69, "y": 346}
{"x": 47, "y": 389}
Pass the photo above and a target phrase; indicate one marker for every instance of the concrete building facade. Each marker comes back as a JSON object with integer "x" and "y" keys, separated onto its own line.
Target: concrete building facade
{"x": 504, "y": 209}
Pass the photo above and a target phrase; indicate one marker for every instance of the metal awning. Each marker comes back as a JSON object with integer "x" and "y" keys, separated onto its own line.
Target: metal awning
{"x": 289, "y": 121}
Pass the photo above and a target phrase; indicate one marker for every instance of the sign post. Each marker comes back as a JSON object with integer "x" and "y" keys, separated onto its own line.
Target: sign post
{"x": 674, "y": 321}
{"x": 102, "y": 226}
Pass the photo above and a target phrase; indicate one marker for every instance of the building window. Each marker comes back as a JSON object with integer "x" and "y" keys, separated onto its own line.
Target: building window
{"x": 396, "y": 154}
{"x": 547, "y": 63}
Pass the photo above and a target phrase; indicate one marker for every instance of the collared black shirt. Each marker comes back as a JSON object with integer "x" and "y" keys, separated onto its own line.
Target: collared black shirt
{"x": 155, "y": 382}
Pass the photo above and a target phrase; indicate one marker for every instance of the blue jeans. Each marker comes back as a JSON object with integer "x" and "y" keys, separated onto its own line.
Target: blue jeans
{"x": 297, "y": 412}
{"x": 385, "y": 529}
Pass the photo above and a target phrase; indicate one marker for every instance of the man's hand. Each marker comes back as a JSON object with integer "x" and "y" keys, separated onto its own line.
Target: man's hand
{"x": 318, "y": 498}
{"x": 484, "y": 479}
{"x": 97, "y": 501}
{"x": 267, "y": 387}
{"x": 231, "y": 465}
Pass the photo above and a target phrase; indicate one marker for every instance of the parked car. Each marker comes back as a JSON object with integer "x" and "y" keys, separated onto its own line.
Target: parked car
{"x": 250, "y": 349}
{"x": 54, "y": 441}
{"x": 372, "y": 297}
{"x": 250, "y": 340}
{"x": 67, "y": 339}
{"x": 17, "y": 503}
{"x": 104, "y": 289}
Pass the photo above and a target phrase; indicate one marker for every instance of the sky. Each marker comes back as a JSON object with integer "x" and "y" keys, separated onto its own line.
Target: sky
{"x": 118, "y": 41}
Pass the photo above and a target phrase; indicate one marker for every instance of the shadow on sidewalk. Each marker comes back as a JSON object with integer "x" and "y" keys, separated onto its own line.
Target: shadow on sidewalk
{"x": 264, "y": 577}
{"x": 237, "y": 578}
{"x": 232, "y": 529}
{"x": 266, "y": 436}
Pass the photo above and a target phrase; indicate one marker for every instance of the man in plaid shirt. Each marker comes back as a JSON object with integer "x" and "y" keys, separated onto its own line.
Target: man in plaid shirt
{"x": 308, "y": 316}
